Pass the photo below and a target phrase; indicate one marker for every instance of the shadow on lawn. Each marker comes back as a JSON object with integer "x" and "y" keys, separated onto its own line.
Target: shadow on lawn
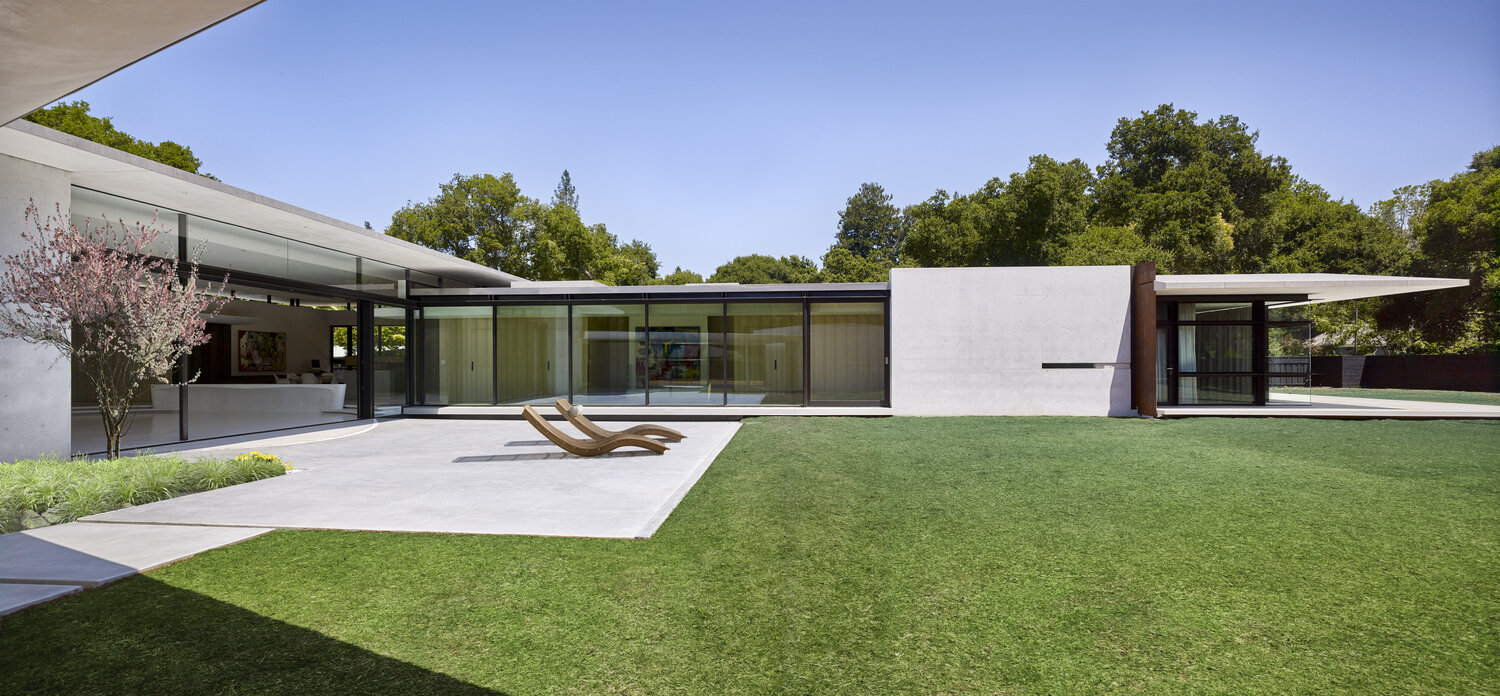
{"x": 143, "y": 636}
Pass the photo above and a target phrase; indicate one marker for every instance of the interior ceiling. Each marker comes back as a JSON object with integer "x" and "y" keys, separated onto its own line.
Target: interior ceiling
{"x": 52, "y": 48}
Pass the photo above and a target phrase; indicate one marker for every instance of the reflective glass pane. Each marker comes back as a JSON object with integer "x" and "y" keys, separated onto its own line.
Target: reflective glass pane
{"x": 1162, "y": 383}
{"x": 686, "y": 356}
{"x": 1297, "y": 312}
{"x": 1215, "y": 349}
{"x": 1216, "y": 390}
{"x": 91, "y": 210}
{"x": 1213, "y": 311}
{"x": 609, "y": 354}
{"x": 379, "y": 278}
{"x": 390, "y": 360}
{"x": 457, "y": 355}
{"x": 765, "y": 354}
{"x": 313, "y": 264}
{"x": 1289, "y": 361}
{"x": 848, "y": 351}
{"x": 237, "y": 248}
{"x": 532, "y": 354}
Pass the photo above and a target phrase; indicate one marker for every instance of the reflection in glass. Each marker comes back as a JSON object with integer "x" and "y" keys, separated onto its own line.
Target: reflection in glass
{"x": 1163, "y": 383}
{"x": 390, "y": 360}
{"x": 609, "y": 354}
{"x": 313, "y": 264}
{"x": 1216, "y": 390}
{"x": 1289, "y": 361}
{"x": 765, "y": 354}
{"x": 1214, "y": 311}
{"x": 457, "y": 355}
{"x": 90, "y": 210}
{"x": 686, "y": 355}
{"x": 532, "y": 354}
{"x": 848, "y": 351}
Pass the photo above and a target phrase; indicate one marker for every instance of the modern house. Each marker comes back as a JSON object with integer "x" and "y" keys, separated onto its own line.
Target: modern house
{"x": 332, "y": 322}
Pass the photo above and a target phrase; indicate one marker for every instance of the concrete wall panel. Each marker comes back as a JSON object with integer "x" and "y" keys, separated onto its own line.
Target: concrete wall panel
{"x": 971, "y": 341}
{"x": 35, "y": 417}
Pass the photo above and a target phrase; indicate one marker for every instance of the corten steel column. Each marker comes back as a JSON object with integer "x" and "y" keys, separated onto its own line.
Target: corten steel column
{"x": 1143, "y": 338}
{"x": 365, "y": 349}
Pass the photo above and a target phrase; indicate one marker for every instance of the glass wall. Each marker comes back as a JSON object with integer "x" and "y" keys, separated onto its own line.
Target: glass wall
{"x": 848, "y": 351}
{"x": 1231, "y": 352}
{"x": 765, "y": 354}
{"x": 609, "y": 354}
{"x": 94, "y": 211}
{"x": 458, "y": 355}
{"x": 390, "y": 360}
{"x": 685, "y": 355}
{"x": 532, "y": 354}
{"x": 656, "y": 354}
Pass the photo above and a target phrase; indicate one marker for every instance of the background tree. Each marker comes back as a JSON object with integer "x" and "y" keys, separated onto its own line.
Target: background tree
{"x": 97, "y": 296}
{"x": 1196, "y": 190}
{"x": 758, "y": 268}
{"x": 677, "y": 277}
{"x": 565, "y": 194}
{"x": 74, "y": 118}
{"x": 1456, "y": 231}
{"x": 486, "y": 219}
{"x": 870, "y": 227}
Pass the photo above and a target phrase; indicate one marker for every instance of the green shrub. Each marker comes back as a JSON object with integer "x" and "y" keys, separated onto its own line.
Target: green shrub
{"x": 67, "y": 489}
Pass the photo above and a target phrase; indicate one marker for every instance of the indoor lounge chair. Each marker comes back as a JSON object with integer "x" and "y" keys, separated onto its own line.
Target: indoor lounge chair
{"x": 588, "y": 427}
{"x": 589, "y": 448}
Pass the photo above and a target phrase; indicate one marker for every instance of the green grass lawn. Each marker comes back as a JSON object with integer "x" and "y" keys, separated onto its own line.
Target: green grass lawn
{"x": 1454, "y": 397}
{"x": 900, "y": 556}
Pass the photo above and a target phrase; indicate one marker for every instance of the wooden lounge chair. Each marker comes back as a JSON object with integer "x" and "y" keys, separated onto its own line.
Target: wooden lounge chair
{"x": 594, "y": 431}
{"x": 589, "y": 448}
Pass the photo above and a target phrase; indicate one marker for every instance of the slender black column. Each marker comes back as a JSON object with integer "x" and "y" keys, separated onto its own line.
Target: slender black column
{"x": 365, "y": 340}
{"x": 184, "y": 366}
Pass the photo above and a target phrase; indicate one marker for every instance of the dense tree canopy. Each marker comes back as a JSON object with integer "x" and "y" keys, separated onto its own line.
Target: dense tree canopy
{"x": 1192, "y": 195}
{"x": 74, "y": 118}
{"x": 487, "y": 220}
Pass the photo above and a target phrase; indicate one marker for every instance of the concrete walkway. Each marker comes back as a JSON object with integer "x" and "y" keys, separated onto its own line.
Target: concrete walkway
{"x": 1320, "y": 406}
{"x": 411, "y": 475}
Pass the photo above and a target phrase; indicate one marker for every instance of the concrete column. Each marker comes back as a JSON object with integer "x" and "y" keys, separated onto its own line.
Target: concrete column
{"x": 35, "y": 382}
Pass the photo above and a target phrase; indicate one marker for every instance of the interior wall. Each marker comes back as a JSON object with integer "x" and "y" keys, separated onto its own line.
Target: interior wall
{"x": 35, "y": 413}
{"x": 972, "y": 341}
{"x": 306, "y": 330}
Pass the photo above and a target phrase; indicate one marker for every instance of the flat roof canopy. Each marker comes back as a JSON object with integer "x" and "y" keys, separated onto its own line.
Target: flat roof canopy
{"x": 111, "y": 171}
{"x": 1317, "y": 287}
{"x": 52, "y": 48}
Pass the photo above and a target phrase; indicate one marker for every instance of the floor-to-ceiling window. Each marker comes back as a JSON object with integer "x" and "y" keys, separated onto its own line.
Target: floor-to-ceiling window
{"x": 609, "y": 354}
{"x": 1226, "y": 351}
{"x": 847, "y": 345}
{"x": 658, "y": 353}
{"x": 765, "y": 354}
{"x": 458, "y": 350}
{"x": 531, "y": 353}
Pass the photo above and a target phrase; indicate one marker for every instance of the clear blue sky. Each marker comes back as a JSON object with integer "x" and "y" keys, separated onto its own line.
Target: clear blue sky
{"x": 709, "y": 130}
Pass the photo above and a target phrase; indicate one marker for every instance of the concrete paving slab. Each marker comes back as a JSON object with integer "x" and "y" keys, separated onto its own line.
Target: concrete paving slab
{"x": 453, "y": 476}
{"x": 1319, "y": 406}
{"x": 15, "y": 597}
{"x": 89, "y": 555}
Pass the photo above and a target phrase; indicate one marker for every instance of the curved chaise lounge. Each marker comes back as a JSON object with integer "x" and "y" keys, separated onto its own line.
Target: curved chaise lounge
{"x": 594, "y": 431}
{"x": 588, "y": 448}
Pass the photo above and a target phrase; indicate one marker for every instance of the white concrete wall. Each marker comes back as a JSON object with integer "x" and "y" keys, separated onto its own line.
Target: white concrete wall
{"x": 971, "y": 341}
{"x": 35, "y": 416}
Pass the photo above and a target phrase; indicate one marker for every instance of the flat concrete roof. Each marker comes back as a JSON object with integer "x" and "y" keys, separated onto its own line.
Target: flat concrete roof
{"x": 1318, "y": 287}
{"x": 106, "y": 169}
{"x": 51, "y": 48}
{"x": 590, "y": 289}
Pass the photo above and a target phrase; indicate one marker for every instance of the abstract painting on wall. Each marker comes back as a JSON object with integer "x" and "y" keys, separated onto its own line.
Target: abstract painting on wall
{"x": 262, "y": 351}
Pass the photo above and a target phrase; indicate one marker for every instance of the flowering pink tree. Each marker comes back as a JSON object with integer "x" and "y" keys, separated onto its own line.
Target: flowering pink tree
{"x": 100, "y": 299}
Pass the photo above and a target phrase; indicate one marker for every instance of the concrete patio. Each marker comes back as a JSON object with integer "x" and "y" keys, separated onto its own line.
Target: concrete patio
{"x": 410, "y": 475}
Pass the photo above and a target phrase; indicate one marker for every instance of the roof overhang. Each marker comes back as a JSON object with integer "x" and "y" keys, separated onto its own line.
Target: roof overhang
{"x": 111, "y": 171}
{"x": 52, "y": 48}
{"x": 1316, "y": 287}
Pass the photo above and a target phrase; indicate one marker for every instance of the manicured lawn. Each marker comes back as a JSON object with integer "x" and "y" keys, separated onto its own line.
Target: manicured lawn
{"x": 1455, "y": 397}
{"x": 901, "y": 556}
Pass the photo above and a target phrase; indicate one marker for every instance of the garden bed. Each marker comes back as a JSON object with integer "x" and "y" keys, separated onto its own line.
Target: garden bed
{"x": 41, "y": 492}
